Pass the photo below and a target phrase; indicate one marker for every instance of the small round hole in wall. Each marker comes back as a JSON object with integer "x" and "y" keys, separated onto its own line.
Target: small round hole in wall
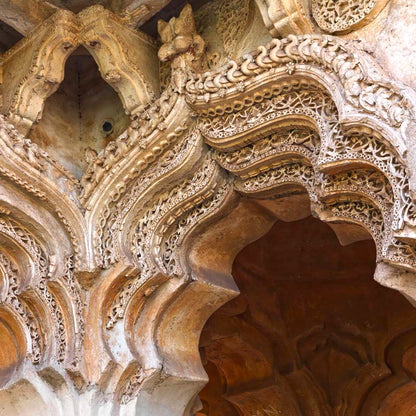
{"x": 107, "y": 127}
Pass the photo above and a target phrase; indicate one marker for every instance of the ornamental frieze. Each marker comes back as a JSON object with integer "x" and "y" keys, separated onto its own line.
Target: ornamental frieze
{"x": 109, "y": 273}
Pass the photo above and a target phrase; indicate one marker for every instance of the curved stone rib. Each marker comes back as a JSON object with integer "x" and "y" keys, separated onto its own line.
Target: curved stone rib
{"x": 34, "y": 68}
{"x": 126, "y": 58}
{"x": 314, "y": 54}
{"x": 32, "y": 170}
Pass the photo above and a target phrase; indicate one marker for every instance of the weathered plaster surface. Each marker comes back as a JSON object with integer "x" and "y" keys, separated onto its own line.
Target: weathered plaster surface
{"x": 133, "y": 170}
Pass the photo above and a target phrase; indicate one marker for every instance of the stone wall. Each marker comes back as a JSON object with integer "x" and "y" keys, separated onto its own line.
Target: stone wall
{"x": 134, "y": 169}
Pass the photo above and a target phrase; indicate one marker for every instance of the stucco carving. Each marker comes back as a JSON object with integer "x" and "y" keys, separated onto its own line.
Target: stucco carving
{"x": 338, "y": 17}
{"x": 49, "y": 45}
{"x": 108, "y": 280}
{"x": 284, "y": 17}
{"x": 39, "y": 60}
{"x": 114, "y": 47}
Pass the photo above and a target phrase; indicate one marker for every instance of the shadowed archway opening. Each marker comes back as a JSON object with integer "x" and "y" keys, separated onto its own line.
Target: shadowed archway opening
{"x": 311, "y": 332}
{"x": 12, "y": 346}
{"x": 8, "y": 36}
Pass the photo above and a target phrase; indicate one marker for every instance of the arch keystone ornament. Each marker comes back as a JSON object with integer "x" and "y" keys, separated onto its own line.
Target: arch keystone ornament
{"x": 107, "y": 280}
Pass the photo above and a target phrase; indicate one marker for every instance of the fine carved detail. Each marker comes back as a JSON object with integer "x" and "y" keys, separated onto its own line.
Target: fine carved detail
{"x": 100, "y": 273}
{"x": 180, "y": 39}
{"x": 341, "y": 16}
{"x": 378, "y": 98}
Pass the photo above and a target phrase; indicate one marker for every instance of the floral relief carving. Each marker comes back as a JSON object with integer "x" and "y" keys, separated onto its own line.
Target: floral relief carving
{"x": 43, "y": 269}
{"x": 340, "y": 16}
{"x": 97, "y": 271}
{"x": 173, "y": 158}
{"x": 385, "y": 101}
{"x": 166, "y": 209}
{"x": 12, "y": 298}
{"x": 132, "y": 386}
{"x": 233, "y": 20}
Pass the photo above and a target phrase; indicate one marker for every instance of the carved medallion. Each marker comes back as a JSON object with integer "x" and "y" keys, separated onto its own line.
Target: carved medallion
{"x": 337, "y": 16}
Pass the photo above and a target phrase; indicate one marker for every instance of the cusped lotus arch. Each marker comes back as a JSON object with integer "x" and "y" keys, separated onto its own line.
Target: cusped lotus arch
{"x": 139, "y": 251}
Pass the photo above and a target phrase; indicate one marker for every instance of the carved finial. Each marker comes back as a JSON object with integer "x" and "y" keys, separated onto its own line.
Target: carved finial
{"x": 181, "y": 44}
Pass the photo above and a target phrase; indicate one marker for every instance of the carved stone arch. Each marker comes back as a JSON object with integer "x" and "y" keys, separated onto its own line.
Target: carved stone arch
{"x": 38, "y": 259}
{"x": 29, "y": 174}
{"x": 143, "y": 245}
{"x": 28, "y": 306}
{"x": 126, "y": 58}
{"x": 346, "y": 70}
{"x": 26, "y": 303}
{"x": 140, "y": 298}
{"x": 46, "y": 300}
{"x": 238, "y": 102}
{"x": 293, "y": 167}
{"x": 399, "y": 374}
{"x": 16, "y": 341}
{"x": 39, "y": 317}
{"x": 152, "y": 232}
{"x": 107, "y": 196}
{"x": 213, "y": 250}
{"x": 40, "y": 59}
{"x": 174, "y": 237}
{"x": 50, "y": 235}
